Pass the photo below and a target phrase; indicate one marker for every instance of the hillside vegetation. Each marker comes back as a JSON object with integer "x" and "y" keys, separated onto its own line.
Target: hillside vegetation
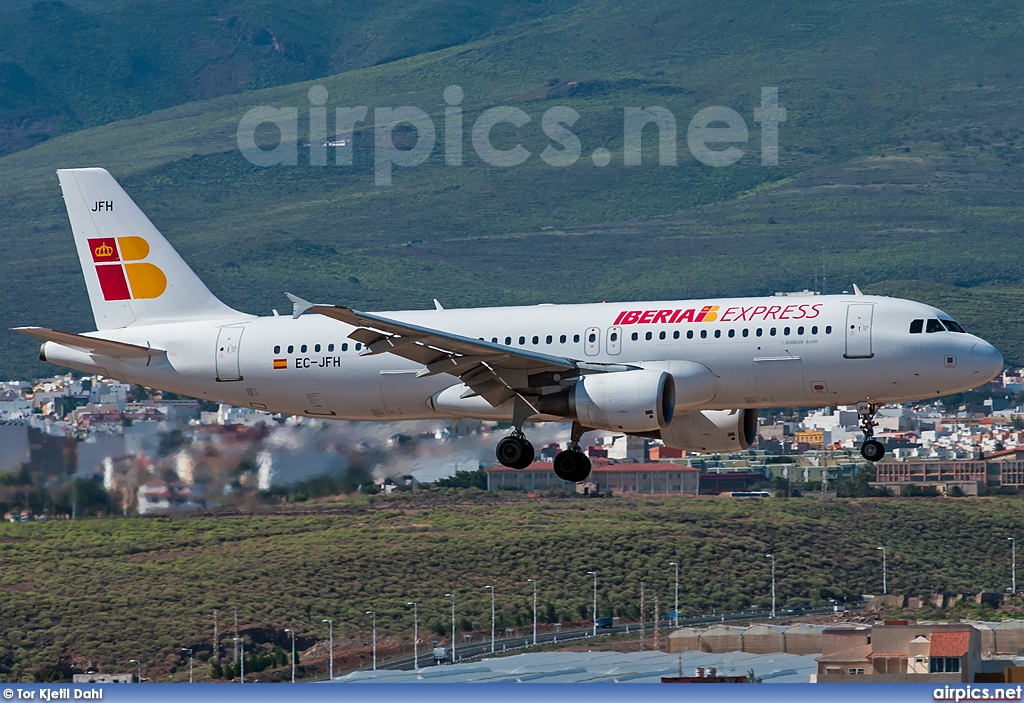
{"x": 98, "y": 592}
{"x": 900, "y": 168}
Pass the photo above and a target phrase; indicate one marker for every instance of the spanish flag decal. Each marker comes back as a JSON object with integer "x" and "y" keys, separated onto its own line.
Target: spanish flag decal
{"x": 280, "y": 363}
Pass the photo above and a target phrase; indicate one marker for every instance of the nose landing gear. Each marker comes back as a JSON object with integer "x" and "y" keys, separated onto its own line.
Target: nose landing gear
{"x": 871, "y": 449}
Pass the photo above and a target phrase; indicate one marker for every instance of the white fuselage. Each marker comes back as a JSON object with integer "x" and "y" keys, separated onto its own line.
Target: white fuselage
{"x": 763, "y": 352}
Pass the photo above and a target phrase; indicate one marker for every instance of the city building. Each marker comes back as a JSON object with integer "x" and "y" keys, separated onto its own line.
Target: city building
{"x": 618, "y": 478}
{"x": 901, "y": 653}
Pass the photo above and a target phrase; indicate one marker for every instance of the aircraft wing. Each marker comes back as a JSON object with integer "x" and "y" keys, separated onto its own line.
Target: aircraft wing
{"x": 493, "y": 371}
{"x": 106, "y": 347}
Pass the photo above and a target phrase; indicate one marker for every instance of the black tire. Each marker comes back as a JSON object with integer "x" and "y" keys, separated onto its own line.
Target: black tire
{"x": 514, "y": 452}
{"x": 872, "y": 450}
{"x": 572, "y": 466}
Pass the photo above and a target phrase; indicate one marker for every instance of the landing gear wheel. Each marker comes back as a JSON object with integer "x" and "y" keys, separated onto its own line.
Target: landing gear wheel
{"x": 515, "y": 452}
{"x": 572, "y": 465}
{"x": 872, "y": 450}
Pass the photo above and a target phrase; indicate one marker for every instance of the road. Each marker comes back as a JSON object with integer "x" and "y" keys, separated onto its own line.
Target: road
{"x": 472, "y": 650}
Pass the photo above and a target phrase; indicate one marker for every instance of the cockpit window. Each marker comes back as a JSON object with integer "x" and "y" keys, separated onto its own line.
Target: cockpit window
{"x": 952, "y": 326}
{"x": 934, "y": 326}
{"x": 917, "y": 327}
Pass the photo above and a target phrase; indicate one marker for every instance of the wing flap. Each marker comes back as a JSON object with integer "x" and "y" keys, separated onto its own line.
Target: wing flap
{"x": 93, "y": 345}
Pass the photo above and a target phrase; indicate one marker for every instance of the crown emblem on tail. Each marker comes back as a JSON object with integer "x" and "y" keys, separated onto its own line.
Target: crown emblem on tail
{"x": 103, "y": 251}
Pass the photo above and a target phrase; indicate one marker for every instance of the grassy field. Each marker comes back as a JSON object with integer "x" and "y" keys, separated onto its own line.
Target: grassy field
{"x": 900, "y": 168}
{"x": 96, "y": 593}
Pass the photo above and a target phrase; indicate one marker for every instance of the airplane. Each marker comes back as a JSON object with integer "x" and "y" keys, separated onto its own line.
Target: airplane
{"x": 693, "y": 373}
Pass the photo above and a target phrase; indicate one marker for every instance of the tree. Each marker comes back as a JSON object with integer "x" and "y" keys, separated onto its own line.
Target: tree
{"x": 465, "y": 479}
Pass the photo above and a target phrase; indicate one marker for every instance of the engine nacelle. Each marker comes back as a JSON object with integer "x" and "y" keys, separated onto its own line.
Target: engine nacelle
{"x": 712, "y": 430}
{"x": 628, "y": 401}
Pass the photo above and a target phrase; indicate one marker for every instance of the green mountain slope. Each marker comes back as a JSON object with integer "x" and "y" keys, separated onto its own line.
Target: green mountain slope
{"x": 64, "y": 66}
{"x": 900, "y": 161}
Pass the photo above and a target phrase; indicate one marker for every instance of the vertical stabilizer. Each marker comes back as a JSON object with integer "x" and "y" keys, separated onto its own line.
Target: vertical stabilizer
{"x": 133, "y": 275}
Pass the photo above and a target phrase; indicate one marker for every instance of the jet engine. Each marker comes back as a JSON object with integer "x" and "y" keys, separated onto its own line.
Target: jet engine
{"x": 642, "y": 400}
{"x": 712, "y": 430}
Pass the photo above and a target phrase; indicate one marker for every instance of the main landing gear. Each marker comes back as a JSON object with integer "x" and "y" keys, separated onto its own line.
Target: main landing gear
{"x": 572, "y": 464}
{"x": 870, "y": 449}
{"x": 515, "y": 451}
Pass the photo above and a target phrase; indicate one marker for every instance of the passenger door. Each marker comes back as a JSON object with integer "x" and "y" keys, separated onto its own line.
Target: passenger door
{"x": 614, "y": 344}
{"x": 228, "y": 340}
{"x": 858, "y": 331}
{"x": 592, "y": 341}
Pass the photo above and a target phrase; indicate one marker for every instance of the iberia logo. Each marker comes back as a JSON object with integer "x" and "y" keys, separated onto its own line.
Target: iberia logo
{"x": 122, "y": 273}
{"x": 708, "y": 313}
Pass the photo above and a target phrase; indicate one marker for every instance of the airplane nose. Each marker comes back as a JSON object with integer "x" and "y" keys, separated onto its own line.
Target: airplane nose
{"x": 987, "y": 360}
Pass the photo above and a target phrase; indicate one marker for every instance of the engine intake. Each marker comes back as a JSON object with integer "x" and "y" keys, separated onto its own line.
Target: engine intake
{"x": 628, "y": 401}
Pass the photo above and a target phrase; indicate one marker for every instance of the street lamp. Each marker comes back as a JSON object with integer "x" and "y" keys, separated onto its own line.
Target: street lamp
{"x": 452, "y": 596}
{"x": 330, "y": 663}
{"x": 240, "y": 647}
{"x": 186, "y": 649}
{"x": 415, "y": 634}
{"x": 594, "y": 574}
{"x": 534, "y": 582}
{"x": 293, "y": 652}
{"x": 772, "y": 557}
{"x": 676, "y": 618}
{"x": 492, "y": 617}
{"x": 136, "y": 661}
{"x": 374, "y": 614}
{"x": 1013, "y": 544}
{"x": 885, "y": 585}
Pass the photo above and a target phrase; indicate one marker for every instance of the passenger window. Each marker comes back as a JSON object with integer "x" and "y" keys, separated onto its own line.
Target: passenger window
{"x": 561, "y": 340}
{"x": 934, "y": 326}
{"x": 785, "y": 332}
{"x": 316, "y": 348}
{"x": 916, "y": 326}
{"x": 277, "y": 349}
{"x": 772, "y": 331}
{"x": 814, "y": 330}
{"x": 746, "y": 332}
{"x": 689, "y": 334}
{"x": 548, "y": 340}
{"x": 494, "y": 340}
{"x": 508, "y": 341}
{"x": 703, "y": 334}
{"x": 303, "y": 348}
{"x": 615, "y": 337}
{"x": 953, "y": 326}
{"x": 291, "y": 348}
{"x": 758, "y": 332}
{"x": 330, "y": 347}
{"x": 800, "y": 331}
{"x": 718, "y": 334}
{"x": 358, "y": 346}
{"x": 648, "y": 336}
{"x": 536, "y": 339}
{"x": 661, "y": 335}
{"x": 522, "y": 340}
{"x": 576, "y": 338}
{"x": 732, "y": 333}
{"x": 828, "y": 329}
{"x": 344, "y": 346}
{"x": 592, "y": 337}
{"x": 675, "y": 335}
{"x": 635, "y": 336}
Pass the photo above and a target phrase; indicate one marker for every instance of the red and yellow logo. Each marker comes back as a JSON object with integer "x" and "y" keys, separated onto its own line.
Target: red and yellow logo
{"x": 122, "y": 273}
{"x": 280, "y": 363}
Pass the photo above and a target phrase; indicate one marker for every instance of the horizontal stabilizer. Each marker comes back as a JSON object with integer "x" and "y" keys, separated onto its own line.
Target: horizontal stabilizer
{"x": 106, "y": 347}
